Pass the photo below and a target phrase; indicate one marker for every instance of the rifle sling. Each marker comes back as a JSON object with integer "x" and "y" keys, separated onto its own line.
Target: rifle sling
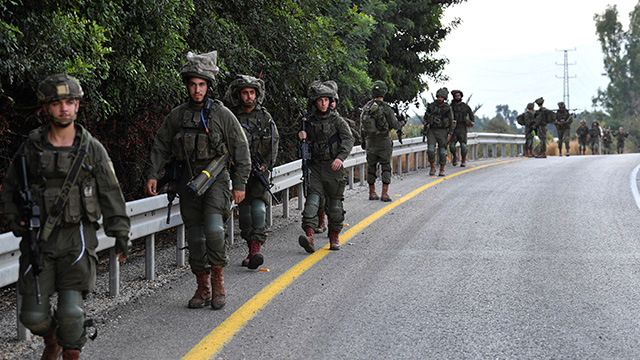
{"x": 63, "y": 195}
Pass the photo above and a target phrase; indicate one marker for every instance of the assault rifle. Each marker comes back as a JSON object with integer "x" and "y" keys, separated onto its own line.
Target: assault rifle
{"x": 172, "y": 176}
{"x": 31, "y": 212}
{"x": 402, "y": 119}
{"x": 256, "y": 171}
{"x": 305, "y": 154}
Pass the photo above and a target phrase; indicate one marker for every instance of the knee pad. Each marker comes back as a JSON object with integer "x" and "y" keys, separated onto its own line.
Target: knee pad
{"x": 258, "y": 213}
{"x": 311, "y": 206}
{"x": 463, "y": 149}
{"x": 36, "y": 318}
{"x": 213, "y": 227}
{"x": 70, "y": 317}
{"x": 431, "y": 150}
{"x": 442, "y": 153}
{"x": 336, "y": 211}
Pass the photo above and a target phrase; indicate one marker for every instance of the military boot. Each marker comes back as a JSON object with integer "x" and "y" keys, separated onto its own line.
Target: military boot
{"x": 385, "y": 193}
{"x": 334, "y": 240}
{"x": 245, "y": 262}
{"x": 202, "y": 297}
{"x": 322, "y": 225}
{"x": 257, "y": 258}
{"x": 306, "y": 241}
{"x": 454, "y": 160}
{"x": 372, "y": 193}
{"x": 464, "y": 161}
{"x": 52, "y": 350}
{"x": 217, "y": 284}
{"x": 432, "y": 169}
{"x": 542, "y": 155}
{"x": 441, "y": 173}
{"x": 71, "y": 354}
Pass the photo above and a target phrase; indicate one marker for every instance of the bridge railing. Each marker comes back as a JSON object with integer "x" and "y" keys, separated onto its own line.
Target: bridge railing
{"x": 149, "y": 215}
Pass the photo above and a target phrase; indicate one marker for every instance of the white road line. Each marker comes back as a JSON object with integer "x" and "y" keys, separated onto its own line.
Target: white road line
{"x": 634, "y": 185}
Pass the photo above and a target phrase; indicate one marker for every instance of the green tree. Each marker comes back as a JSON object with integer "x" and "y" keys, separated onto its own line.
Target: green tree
{"x": 497, "y": 125}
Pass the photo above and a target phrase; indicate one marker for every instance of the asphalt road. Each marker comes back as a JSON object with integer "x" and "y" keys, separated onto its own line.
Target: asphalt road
{"x": 525, "y": 259}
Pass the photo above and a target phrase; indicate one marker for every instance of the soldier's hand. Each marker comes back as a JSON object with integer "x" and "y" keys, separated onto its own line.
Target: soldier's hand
{"x": 302, "y": 135}
{"x": 336, "y": 164}
{"x": 448, "y": 138}
{"x": 237, "y": 196}
{"x": 150, "y": 187}
{"x": 122, "y": 248}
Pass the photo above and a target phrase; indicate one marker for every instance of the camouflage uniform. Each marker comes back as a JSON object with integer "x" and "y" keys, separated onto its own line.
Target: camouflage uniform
{"x": 263, "y": 138}
{"x": 594, "y": 138}
{"x": 68, "y": 256}
{"x": 189, "y": 137}
{"x": 329, "y": 138}
{"x": 607, "y": 140}
{"x": 440, "y": 122}
{"x": 528, "y": 130}
{"x": 378, "y": 143}
{"x": 542, "y": 117}
{"x": 463, "y": 115}
{"x": 621, "y": 135}
{"x": 563, "y": 126}
{"x": 582, "y": 133}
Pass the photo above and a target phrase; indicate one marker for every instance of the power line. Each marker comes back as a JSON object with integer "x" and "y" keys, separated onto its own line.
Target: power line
{"x": 565, "y": 89}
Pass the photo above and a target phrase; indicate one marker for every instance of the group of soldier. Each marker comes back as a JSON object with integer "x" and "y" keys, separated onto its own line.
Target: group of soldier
{"x": 217, "y": 152}
{"x": 535, "y": 123}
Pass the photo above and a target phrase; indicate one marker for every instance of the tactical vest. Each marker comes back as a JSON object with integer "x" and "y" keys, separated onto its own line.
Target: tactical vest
{"x": 373, "y": 121}
{"x": 324, "y": 138}
{"x": 196, "y": 141}
{"x": 439, "y": 116}
{"x": 258, "y": 126}
{"x": 50, "y": 167}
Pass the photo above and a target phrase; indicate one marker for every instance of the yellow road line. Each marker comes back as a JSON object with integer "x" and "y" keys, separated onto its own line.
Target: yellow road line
{"x": 208, "y": 347}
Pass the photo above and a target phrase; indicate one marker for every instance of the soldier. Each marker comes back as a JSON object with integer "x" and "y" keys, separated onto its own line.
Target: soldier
{"x": 376, "y": 120}
{"x": 330, "y": 142}
{"x": 195, "y": 134}
{"x": 244, "y": 96}
{"x": 72, "y": 181}
{"x": 594, "y": 137}
{"x": 463, "y": 115}
{"x": 607, "y": 140}
{"x": 563, "y": 126}
{"x": 582, "y": 133}
{"x": 528, "y": 130}
{"x": 439, "y": 121}
{"x": 542, "y": 117}
{"x": 621, "y": 135}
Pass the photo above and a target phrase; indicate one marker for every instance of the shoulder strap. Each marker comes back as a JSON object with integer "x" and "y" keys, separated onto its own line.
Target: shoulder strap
{"x": 63, "y": 195}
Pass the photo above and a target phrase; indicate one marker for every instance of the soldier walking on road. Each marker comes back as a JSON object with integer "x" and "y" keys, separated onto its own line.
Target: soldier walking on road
{"x": 528, "y": 130}
{"x": 376, "y": 120}
{"x": 464, "y": 118}
{"x": 607, "y": 140}
{"x": 621, "y": 135}
{"x": 439, "y": 121}
{"x": 72, "y": 182}
{"x": 582, "y": 133}
{"x": 563, "y": 126}
{"x": 594, "y": 137}
{"x": 244, "y": 96}
{"x": 330, "y": 141}
{"x": 196, "y": 134}
{"x": 542, "y": 117}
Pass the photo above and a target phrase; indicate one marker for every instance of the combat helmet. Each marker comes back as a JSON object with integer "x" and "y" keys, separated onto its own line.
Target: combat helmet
{"x": 454, "y": 92}
{"x": 561, "y": 105}
{"x": 232, "y": 97}
{"x": 202, "y": 66}
{"x": 444, "y": 92}
{"x": 530, "y": 106}
{"x": 379, "y": 89}
{"x": 320, "y": 89}
{"x": 57, "y": 87}
{"x": 539, "y": 101}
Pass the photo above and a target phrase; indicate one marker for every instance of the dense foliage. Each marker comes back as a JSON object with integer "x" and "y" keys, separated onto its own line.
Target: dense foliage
{"x": 127, "y": 56}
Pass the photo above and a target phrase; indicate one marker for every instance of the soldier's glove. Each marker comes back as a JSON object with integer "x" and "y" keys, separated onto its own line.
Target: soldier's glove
{"x": 12, "y": 222}
{"x": 122, "y": 246}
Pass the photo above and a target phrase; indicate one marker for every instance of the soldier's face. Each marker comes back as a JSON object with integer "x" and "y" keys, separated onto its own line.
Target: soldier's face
{"x": 248, "y": 97}
{"x": 62, "y": 112}
{"x": 440, "y": 99}
{"x": 458, "y": 97}
{"x": 197, "y": 89}
{"x": 323, "y": 104}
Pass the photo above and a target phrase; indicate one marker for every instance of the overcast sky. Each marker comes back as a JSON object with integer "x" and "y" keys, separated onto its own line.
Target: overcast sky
{"x": 510, "y": 52}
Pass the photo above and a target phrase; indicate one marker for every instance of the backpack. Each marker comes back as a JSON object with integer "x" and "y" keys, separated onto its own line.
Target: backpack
{"x": 372, "y": 120}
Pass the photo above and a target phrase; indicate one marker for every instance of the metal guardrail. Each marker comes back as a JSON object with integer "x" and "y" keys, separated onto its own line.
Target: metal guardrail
{"x": 148, "y": 216}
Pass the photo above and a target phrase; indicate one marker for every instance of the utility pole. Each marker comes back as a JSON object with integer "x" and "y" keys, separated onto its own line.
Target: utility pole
{"x": 565, "y": 92}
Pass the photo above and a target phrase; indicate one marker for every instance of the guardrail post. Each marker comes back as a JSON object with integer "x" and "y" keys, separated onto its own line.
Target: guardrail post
{"x": 180, "y": 241}
{"x": 300, "y": 196}
{"x": 114, "y": 273}
{"x": 269, "y": 215}
{"x": 406, "y": 163}
{"x": 285, "y": 203}
{"x": 230, "y": 226}
{"x": 362, "y": 174}
{"x": 350, "y": 171}
{"x": 23, "y": 332}
{"x": 150, "y": 257}
{"x": 399, "y": 162}
{"x": 504, "y": 150}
